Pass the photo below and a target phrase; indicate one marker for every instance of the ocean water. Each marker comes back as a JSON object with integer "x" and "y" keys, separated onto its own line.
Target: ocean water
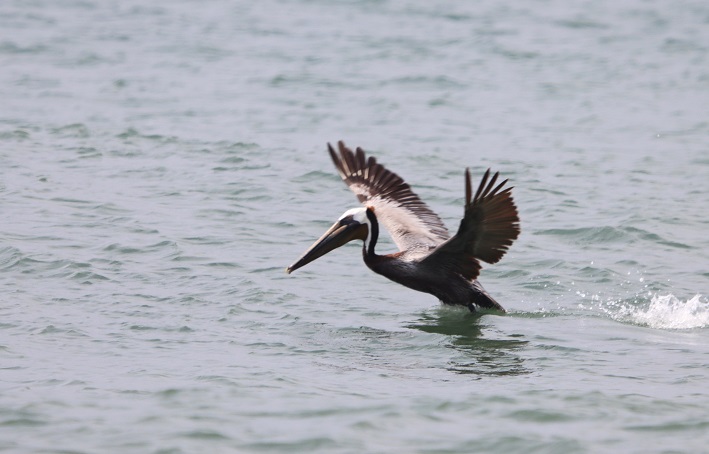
{"x": 162, "y": 163}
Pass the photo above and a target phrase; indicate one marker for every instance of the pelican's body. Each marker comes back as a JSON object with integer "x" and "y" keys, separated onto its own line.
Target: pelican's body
{"x": 429, "y": 259}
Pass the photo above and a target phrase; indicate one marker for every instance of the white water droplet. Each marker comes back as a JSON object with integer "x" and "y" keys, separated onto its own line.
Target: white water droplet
{"x": 666, "y": 312}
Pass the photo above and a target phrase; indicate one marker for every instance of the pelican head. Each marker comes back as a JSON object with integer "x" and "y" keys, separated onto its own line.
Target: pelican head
{"x": 354, "y": 224}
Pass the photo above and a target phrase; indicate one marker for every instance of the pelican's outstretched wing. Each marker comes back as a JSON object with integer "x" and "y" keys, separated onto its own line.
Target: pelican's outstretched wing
{"x": 410, "y": 222}
{"x": 490, "y": 226}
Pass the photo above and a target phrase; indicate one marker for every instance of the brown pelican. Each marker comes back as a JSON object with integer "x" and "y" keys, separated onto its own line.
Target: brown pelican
{"x": 429, "y": 260}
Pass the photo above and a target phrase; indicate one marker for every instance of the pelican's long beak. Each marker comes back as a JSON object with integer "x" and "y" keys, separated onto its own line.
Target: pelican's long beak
{"x": 343, "y": 231}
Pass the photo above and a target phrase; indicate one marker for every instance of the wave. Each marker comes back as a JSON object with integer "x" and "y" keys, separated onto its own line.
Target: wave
{"x": 662, "y": 312}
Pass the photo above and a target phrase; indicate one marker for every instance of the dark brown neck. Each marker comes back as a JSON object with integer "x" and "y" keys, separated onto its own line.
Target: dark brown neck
{"x": 369, "y": 245}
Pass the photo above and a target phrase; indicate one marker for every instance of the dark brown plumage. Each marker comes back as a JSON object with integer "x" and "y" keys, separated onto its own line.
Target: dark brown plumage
{"x": 429, "y": 259}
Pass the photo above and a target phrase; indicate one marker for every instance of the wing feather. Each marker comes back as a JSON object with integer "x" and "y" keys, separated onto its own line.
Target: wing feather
{"x": 488, "y": 229}
{"x": 411, "y": 223}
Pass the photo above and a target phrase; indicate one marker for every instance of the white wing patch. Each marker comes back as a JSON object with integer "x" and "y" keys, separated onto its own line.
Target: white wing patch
{"x": 412, "y": 225}
{"x": 407, "y": 229}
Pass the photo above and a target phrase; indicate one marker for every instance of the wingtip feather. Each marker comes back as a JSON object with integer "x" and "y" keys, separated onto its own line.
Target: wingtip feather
{"x": 468, "y": 188}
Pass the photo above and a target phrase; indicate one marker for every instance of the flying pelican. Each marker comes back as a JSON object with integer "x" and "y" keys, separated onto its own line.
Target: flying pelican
{"x": 429, "y": 260}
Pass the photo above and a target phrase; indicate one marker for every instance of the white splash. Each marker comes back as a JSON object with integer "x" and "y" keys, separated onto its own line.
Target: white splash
{"x": 665, "y": 312}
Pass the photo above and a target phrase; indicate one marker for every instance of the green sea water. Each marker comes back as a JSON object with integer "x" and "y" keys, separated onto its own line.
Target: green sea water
{"x": 161, "y": 164}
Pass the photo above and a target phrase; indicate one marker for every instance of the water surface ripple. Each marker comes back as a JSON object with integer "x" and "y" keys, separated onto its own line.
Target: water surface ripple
{"x": 160, "y": 165}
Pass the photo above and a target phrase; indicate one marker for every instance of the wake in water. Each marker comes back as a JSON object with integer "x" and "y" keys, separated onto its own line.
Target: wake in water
{"x": 662, "y": 312}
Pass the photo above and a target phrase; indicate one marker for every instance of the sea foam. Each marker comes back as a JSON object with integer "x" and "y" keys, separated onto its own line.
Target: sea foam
{"x": 663, "y": 312}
